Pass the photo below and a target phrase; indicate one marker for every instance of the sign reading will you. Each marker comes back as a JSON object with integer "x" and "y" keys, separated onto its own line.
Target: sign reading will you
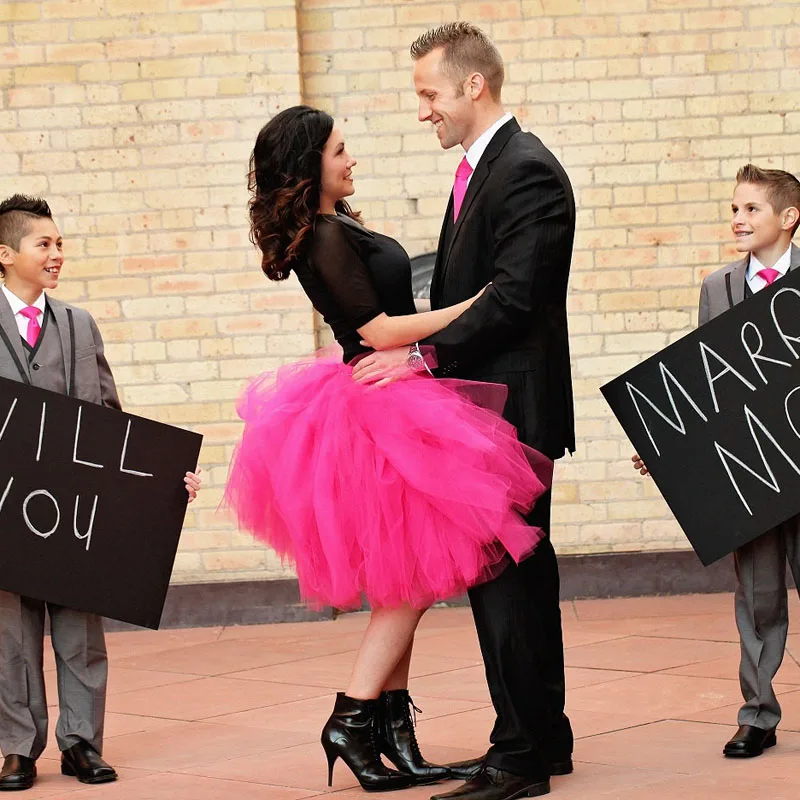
{"x": 92, "y": 502}
{"x": 716, "y": 418}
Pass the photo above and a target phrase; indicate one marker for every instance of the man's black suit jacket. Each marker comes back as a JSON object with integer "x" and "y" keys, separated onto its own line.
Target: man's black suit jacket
{"x": 515, "y": 229}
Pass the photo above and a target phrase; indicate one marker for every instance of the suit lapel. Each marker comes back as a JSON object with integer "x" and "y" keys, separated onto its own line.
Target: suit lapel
{"x": 479, "y": 176}
{"x": 738, "y": 276}
{"x": 11, "y": 337}
{"x": 62, "y": 323}
{"x": 438, "y": 267}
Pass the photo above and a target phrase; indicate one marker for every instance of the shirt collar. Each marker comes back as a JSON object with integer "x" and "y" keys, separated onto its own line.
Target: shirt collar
{"x": 782, "y": 264}
{"x": 17, "y": 305}
{"x": 482, "y": 142}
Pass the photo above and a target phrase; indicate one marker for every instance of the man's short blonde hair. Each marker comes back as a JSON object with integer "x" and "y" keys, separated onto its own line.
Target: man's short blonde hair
{"x": 467, "y": 49}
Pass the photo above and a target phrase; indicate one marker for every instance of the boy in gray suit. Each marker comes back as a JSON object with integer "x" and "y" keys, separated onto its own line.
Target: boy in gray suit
{"x": 766, "y": 215}
{"x": 50, "y": 345}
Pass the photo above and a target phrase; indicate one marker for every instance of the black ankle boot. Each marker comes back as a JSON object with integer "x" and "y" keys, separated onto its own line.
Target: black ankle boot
{"x": 351, "y": 734}
{"x": 398, "y": 741}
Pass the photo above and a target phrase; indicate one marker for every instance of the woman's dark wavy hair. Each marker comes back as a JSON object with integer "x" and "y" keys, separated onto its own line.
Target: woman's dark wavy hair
{"x": 284, "y": 182}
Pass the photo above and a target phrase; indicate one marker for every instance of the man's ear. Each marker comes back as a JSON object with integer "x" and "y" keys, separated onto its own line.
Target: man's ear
{"x": 475, "y": 85}
{"x": 789, "y": 217}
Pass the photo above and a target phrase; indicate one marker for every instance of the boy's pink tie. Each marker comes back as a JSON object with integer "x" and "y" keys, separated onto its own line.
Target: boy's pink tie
{"x": 32, "y": 334}
{"x": 460, "y": 186}
{"x": 769, "y": 275}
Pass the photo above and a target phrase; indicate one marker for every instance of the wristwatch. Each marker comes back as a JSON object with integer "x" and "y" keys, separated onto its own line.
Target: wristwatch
{"x": 414, "y": 360}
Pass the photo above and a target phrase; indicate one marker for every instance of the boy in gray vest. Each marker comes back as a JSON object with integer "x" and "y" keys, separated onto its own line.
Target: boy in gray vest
{"x": 50, "y": 345}
{"x": 765, "y": 216}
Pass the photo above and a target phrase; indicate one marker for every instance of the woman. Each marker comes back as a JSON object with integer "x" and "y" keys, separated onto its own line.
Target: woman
{"x": 406, "y": 493}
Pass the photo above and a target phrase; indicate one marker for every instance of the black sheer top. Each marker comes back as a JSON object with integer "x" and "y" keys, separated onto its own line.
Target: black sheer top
{"x": 352, "y": 275}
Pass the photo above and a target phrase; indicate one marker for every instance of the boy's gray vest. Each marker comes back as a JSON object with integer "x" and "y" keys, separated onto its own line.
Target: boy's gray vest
{"x": 46, "y": 360}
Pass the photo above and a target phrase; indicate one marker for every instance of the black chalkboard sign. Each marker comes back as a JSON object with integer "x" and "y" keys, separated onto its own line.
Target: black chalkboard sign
{"x": 92, "y": 502}
{"x": 716, "y": 418}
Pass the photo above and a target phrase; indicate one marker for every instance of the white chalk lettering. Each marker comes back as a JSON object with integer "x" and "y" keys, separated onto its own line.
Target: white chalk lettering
{"x": 41, "y": 431}
{"x": 5, "y": 492}
{"x": 725, "y": 455}
{"x": 785, "y": 337}
{"x": 8, "y": 417}
{"x": 704, "y": 349}
{"x": 122, "y": 458}
{"x": 788, "y": 415}
{"x": 31, "y": 527}
{"x": 88, "y": 535}
{"x": 755, "y": 355}
{"x": 676, "y": 423}
{"x": 75, "y": 458}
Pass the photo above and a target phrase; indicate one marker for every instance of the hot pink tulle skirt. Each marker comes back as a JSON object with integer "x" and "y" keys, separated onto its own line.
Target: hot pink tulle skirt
{"x": 408, "y": 493}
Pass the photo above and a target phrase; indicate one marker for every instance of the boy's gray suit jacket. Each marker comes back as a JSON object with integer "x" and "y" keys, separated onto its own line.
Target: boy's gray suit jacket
{"x": 714, "y": 298}
{"x": 86, "y": 369}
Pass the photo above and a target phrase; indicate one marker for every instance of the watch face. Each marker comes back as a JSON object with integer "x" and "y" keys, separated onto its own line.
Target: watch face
{"x": 415, "y": 362}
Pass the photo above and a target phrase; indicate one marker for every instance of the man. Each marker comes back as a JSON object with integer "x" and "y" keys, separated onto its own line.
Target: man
{"x": 510, "y": 223}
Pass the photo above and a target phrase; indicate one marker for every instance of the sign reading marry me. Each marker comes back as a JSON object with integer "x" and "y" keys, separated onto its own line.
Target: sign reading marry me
{"x": 716, "y": 418}
{"x": 92, "y": 502}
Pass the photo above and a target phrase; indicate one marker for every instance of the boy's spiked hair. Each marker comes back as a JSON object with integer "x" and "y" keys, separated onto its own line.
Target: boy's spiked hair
{"x": 15, "y": 214}
{"x": 782, "y": 188}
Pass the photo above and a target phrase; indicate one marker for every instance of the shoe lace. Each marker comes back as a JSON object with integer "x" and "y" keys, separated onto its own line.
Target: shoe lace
{"x": 411, "y": 718}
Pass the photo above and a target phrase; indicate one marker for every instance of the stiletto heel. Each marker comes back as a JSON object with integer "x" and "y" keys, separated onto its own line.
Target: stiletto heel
{"x": 351, "y": 734}
{"x": 331, "y": 755}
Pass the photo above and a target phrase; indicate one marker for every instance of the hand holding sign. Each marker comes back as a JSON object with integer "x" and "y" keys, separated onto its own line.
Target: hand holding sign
{"x": 638, "y": 464}
{"x": 193, "y": 483}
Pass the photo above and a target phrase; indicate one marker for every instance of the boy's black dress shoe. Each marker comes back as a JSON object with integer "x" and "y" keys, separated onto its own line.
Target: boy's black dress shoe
{"x": 466, "y": 770}
{"x": 749, "y": 741}
{"x": 19, "y": 772}
{"x": 497, "y": 784}
{"x": 82, "y": 761}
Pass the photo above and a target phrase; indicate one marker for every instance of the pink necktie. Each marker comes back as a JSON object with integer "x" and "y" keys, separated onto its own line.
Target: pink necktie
{"x": 32, "y": 313}
{"x": 460, "y": 185}
{"x": 769, "y": 275}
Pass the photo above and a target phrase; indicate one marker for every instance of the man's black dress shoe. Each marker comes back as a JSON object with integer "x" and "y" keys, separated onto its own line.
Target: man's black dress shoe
{"x": 749, "y": 741}
{"x": 560, "y": 767}
{"x": 82, "y": 761}
{"x": 466, "y": 770}
{"x": 19, "y": 772}
{"x": 497, "y": 784}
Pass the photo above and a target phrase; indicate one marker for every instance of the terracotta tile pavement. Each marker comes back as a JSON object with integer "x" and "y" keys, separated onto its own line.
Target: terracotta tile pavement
{"x": 236, "y": 712}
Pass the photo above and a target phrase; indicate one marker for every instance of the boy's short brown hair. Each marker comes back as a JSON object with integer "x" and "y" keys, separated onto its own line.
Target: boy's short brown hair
{"x": 467, "y": 49}
{"x": 782, "y": 188}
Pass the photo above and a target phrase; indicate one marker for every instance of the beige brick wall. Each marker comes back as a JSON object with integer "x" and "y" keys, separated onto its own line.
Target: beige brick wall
{"x": 136, "y": 119}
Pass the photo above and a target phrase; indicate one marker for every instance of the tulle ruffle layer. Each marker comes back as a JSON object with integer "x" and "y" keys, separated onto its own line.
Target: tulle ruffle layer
{"x": 408, "y": 493}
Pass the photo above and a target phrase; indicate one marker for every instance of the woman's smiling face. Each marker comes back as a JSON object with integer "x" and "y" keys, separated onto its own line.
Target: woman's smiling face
{"x": 337, "y": 166}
